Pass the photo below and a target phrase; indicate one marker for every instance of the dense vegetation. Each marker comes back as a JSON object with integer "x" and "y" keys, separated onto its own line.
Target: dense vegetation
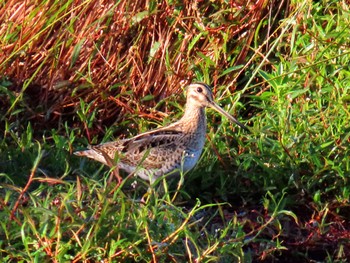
{"x": 74, "y": 73}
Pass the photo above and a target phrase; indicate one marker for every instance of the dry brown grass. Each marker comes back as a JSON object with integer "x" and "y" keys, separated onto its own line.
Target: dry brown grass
{"x": 58, "y": 52}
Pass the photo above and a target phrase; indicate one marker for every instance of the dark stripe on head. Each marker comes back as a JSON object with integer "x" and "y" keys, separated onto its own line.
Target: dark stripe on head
{"x": 203, "y": 84}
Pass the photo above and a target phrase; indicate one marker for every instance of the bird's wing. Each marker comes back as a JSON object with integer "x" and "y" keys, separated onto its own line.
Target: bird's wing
{"x": 153, "y": 139}
{"x": 153, "y": 149}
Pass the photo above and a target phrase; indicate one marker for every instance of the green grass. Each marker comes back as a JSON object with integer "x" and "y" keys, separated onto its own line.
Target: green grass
{"x": 69, "y": 78}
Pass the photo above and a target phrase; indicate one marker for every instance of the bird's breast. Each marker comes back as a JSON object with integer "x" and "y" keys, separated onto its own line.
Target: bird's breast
{"x": 190, "y": 159}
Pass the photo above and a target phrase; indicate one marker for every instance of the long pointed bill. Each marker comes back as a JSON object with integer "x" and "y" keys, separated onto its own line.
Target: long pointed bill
{"x": 216, "y": 107}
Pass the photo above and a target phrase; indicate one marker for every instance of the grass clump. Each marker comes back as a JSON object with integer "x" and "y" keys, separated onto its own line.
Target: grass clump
{"x": 78, "y": 73}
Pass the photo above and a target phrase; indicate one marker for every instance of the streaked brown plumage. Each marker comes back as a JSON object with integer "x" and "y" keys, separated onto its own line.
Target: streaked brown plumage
{"x": 166, "y": 150}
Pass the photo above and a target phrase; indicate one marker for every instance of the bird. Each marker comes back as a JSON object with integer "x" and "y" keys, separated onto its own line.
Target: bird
{"x": 168, "y": 150}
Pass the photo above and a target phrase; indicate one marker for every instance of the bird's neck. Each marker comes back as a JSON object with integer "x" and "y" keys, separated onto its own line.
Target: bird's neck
{"x": 194, "y": 119}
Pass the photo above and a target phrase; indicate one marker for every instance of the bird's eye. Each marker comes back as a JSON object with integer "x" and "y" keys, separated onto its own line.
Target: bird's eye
{"x": 199, "y": 89}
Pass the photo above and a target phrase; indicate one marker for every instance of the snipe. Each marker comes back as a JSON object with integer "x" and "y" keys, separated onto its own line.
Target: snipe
{"x": 167, "y": 150}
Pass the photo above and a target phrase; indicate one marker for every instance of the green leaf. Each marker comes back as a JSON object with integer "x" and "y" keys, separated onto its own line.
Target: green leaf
{"x": 154, "y": 48}
{"x": 76, "y": 52}
{"x": 194, "y": 41}
{"x": 230, "y": 69}
{"x": 148, "y": 97}
{"x": 139, "y": 17}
